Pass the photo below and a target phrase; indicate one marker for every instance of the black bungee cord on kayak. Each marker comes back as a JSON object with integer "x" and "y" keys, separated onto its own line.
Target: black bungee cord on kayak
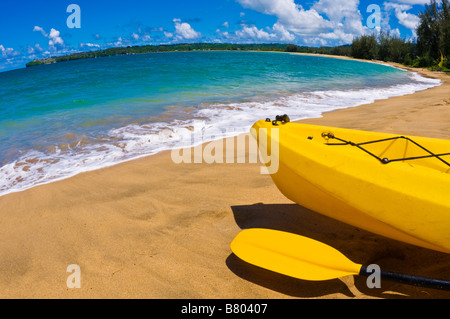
{"x": 386, "y": 160}
{"x": 285, "y": 119}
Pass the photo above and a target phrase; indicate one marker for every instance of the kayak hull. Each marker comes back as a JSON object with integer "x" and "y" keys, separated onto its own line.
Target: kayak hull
{"x": 408, "y": 201}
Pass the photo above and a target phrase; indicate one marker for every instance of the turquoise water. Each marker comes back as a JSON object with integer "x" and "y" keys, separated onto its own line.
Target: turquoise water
{"x": 61, "y": 119}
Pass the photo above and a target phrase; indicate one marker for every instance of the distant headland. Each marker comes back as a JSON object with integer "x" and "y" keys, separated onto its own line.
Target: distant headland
{"x": 343, "y": 50}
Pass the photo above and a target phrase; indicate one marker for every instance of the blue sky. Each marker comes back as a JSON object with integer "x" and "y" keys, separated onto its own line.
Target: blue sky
{"x": 33, "y": 29}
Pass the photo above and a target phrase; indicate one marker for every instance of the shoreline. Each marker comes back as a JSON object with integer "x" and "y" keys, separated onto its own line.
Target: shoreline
{"x": 369, "y": 96}
{"x": 404, "y": 118}
{"x": 149, "y": 228}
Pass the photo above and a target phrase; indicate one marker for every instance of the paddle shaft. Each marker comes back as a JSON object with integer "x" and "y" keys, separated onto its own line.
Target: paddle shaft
{"x": 410, "y": 280}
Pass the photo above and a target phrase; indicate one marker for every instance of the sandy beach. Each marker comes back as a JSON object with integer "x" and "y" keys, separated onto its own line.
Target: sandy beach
{"x": 150, "y": 228}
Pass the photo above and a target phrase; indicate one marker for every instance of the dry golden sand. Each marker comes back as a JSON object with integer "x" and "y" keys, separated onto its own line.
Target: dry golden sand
{"x": 150, "y": 228}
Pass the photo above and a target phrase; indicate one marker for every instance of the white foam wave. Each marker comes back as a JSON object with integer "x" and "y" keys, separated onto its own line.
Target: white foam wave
{"x": 133, "y": 141}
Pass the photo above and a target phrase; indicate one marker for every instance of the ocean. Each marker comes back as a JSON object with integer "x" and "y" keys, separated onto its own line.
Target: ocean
{"x": 62, "y": 119}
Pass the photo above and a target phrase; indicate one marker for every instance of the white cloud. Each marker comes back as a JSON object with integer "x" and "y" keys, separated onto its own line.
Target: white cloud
{"x": 55, "y": 39}
{"x": 292, "y": 16}
{"x": 254, "y": 33}
{"x": 413, "y": 2}
{"x": 329, "y": 22}
{"x": 35, "y": 49}
{"x": 135, "y": 36}
{"x": 395, "y": 33}
{"x": 283, "y": 34}
{"x": 338, "y": 21}
{"x": 226, "y": 24}
{"x": 184, "y": 31}
{"x": 315, "y": 41}
{"x": 409, "y": 20}
{"x": 41, "y": 30}
{"x": 8, "y": 52}
{"x": 344, "y": 16}
{"x": 337, "y": 11}
{"x": 90, "y": 45}
{"x": 5, "y": 51}
{"x": 119, "y": 42}
{"x": 337, "y": 35}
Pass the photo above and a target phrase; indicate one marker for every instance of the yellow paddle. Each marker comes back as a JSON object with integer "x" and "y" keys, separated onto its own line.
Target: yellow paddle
{"x": 308, "y": 259}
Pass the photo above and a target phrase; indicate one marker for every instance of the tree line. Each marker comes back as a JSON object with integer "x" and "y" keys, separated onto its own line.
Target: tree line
{"x": 161, "y": 48}
{"x": 430, "y": 49}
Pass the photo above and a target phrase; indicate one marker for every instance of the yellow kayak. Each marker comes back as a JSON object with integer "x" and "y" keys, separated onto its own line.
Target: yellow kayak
{"x": 391, "y": 185}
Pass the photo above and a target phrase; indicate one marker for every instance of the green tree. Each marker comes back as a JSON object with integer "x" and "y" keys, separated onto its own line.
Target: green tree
{"x": 445, "y": 30}
{"x": 433, "y": 32}
{"x": 291, "y": 48}
{"x": 365, "y": 47}
{"x": 384, "y": 46}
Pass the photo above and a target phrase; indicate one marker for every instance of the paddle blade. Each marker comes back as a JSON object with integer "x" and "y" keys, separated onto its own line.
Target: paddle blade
{"x": 292, "y": 255}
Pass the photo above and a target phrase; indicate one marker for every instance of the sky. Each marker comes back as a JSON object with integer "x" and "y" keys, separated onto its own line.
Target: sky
{"x": 31, "y": 29}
